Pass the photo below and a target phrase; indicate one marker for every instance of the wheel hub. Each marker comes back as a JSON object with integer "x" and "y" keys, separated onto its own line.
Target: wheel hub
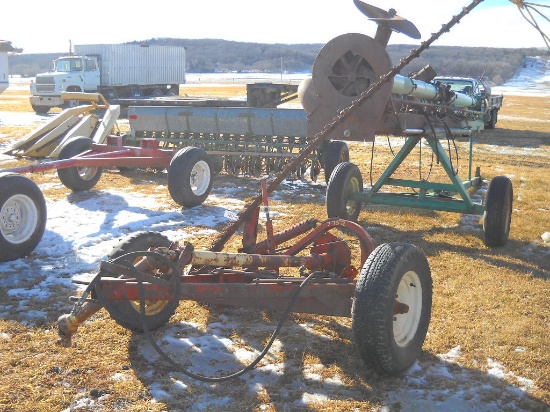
{"x": 18, "y": 218}
{"x": 11, "y": 217}
{"x": 407, "y": 309}
{"x": 200, "y": 177}
{"x": 87, "y": 173}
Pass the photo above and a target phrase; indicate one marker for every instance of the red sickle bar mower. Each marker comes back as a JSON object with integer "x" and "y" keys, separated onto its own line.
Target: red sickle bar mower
{"x": 386, "y": 289}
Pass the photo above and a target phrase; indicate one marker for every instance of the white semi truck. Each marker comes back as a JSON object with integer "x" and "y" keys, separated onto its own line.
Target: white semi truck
{"x": 114, "y": 70}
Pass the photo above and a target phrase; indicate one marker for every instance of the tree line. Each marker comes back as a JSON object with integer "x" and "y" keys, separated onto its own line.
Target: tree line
{"x": 216, "y": 55}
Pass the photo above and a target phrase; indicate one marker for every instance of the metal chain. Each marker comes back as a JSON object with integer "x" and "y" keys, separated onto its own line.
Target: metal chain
{"x": 223, "y": 237}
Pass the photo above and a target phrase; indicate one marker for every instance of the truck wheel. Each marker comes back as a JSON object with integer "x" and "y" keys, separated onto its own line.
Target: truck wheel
{"x": 78, "y": 178}
{"x": 498, "y": 212}
{"x": 172, "y": 90}
{"x": 493, "y": 120}
{"x": 125, "y": 312}
{"x": 40, "y": 109}
{"x": 337, "y": 152}
{"x": 109, "y": 94}
{"x": 155, "y": 92}
{"x": 190, "y": 176}
{"x": 22, "y": 216}
{"x": 344, "y": 180}
{"x": 391, "y": 308}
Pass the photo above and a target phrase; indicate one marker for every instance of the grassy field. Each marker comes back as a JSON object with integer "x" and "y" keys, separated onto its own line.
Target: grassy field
{"x": 493, "y": 303}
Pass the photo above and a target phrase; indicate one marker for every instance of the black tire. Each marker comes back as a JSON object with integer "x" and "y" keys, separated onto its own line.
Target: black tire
{"x": 109, "y": 94}
{"x": 387, "y": 339}
{"x": 77, "y": 178}
{"x": 156, "y": 92}
{"x": 344, "y": 180}
{"x": 127, "y": 313}
{"x": 174, "y": 90}
{"x": 190, "y": 176}
{"x": 337, "y": 152}
{"x": 498, "y": 212}
{"x": 22, "y": 216}
{"x": 492, "y": 120}
{"x": 40, "y": 109}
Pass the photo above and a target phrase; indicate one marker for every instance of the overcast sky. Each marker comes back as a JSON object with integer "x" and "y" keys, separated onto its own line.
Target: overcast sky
{"x": 48, "y": 27}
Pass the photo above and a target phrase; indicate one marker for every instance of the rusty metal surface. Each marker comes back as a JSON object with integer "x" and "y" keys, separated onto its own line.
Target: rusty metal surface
{"x": 201, "y": 257}
{"x": 285, "y": 235}
{"x": 344, "y": 68}
{"x": 68, "y": 324}
{"x": 322, "y": 299}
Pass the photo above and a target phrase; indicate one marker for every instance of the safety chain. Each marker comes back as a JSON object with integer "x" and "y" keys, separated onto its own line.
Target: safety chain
{"x": 230, "y": 229}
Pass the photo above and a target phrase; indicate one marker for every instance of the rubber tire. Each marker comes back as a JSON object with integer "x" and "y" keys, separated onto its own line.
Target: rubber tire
{"x": 387, "y": 342}
{"x": 156, "y": 92}
{"x": 78, "y": 178}
{"x": 190, "y": 166}
{"x": 174, "y": 90}
{"x": 345, "y": 179}
{"x": 337, "y": 152}
{"x": 21, "y": 199}
{"x": 40, "y": 109}
{"x": 493, "y": 120}
{"x": 498, "y": 212}
{"x": 127, "y": 313}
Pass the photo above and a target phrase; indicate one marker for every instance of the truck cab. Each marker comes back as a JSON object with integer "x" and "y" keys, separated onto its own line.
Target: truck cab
{"x": 68, "y": 74}
{"x": 485, "y": 102}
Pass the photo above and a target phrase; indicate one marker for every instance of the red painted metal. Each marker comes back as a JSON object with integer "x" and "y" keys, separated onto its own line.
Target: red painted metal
{"x": 333, "y": 299}
{"x": 215, "y": 279}
{"x": 268, "y": 221}
{"x": 110, "y": 155}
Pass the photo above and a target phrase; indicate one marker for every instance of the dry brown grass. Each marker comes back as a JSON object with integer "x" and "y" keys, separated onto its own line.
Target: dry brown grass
{"x": 488, "y": 301}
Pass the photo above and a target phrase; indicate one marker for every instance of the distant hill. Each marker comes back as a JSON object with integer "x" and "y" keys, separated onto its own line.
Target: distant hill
{"x": 211, "y": 56}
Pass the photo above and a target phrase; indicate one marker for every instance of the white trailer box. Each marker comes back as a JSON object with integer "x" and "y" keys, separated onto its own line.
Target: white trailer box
{"x": 5, "y": 49}
{"x": 4, "y": 78}
{"x": 124, "y": 64}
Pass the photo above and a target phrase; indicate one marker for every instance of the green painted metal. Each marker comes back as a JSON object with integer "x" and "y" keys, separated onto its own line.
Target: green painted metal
{"x": 446, "y": 197}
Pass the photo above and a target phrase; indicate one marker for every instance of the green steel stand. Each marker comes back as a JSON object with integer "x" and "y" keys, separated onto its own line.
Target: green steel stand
{"x": 427, "y": 195}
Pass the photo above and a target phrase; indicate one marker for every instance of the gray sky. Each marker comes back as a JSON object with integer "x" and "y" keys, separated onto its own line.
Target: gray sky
{"x": 40, "y": 27}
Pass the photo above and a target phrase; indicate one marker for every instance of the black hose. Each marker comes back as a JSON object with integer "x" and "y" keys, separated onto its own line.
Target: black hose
{"x": 177, "y": 367}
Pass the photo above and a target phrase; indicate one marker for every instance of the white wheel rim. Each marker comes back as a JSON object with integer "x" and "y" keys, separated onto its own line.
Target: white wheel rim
{"x": 87, "y": 173}
{"x": 200, "y": 178}
{"x": 409, "y": 292}
{"x": 18, "y": 219}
